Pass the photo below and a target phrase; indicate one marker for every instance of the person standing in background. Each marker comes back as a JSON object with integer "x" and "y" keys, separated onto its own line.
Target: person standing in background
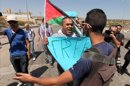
{"x": 45, "y": 30}
{"x": 126, "y": 57}
{"x": 113, "y": 37}
{"x": 31, "y": 36}
{"x": 120, "y": 37}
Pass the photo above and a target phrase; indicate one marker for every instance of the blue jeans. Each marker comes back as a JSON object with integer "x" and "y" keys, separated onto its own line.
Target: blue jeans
{"x": 20, "y": 63}
{"x": 32, "y": 48}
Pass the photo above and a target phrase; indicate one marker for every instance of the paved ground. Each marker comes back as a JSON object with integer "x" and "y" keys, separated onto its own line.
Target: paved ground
{"x": 39, "y": 68}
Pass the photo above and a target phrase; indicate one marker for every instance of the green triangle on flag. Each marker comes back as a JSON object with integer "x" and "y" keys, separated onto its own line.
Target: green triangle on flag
{"x": 55, "y": 21}
{"x": 51, "y": 11}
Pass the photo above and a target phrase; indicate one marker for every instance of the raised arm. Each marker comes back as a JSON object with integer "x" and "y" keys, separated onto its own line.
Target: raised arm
{"x": 117, "y": 43}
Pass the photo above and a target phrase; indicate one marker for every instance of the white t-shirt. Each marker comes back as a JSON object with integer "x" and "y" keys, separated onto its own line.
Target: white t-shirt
{"x": 61, "y": 34}
{"x": 42, "y": 31}
{"x": 30, "y": 34}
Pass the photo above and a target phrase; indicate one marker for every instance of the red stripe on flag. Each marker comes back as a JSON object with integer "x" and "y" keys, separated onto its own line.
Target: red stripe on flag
{"x": 51, "y": 12}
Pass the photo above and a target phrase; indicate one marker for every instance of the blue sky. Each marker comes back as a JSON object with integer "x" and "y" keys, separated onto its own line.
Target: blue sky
{"x": 114, "y": 9}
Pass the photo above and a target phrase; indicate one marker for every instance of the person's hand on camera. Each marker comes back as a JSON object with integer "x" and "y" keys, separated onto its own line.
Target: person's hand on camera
{"x": 112, "y": 34}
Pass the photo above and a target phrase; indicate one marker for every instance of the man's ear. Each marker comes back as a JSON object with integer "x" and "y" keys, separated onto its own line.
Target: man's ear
{"x": 88, "y": 26}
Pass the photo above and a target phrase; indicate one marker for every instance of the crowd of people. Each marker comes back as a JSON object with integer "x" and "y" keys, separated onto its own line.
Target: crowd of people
{"x": 97, "y": 65}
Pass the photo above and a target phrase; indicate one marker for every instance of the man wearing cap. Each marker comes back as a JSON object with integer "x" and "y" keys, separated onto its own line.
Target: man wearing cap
{"x": 19, "y": 45}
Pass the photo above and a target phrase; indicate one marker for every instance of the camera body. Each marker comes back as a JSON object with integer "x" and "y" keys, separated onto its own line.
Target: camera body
{"x": 108, "y": 32}
{"x": 107, "y": 36}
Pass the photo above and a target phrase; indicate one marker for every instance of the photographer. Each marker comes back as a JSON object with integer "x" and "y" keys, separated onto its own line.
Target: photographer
{"x": 112, "y": 37}
{"x": 110, "y": 34}
{"x": 120, "y": 37}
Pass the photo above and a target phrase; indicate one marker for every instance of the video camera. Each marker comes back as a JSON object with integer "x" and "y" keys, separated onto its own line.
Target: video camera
{"x": 107, "y": 36}
{"x": 108, "y": 32}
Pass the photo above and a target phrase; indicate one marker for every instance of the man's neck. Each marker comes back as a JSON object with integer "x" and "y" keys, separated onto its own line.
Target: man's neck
{"x": 96, "y": 38}
{"x": 64, "y": 32}
{"x": 15, "y": 29}
{"x": 67, "y": 34}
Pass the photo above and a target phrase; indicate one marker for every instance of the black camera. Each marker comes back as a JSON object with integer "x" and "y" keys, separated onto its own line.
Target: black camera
{"x": 108, "y": 32}
{"x": 107, "y": 36}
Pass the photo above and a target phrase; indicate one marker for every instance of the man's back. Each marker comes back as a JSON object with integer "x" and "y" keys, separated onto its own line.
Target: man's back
{"x": 100, "y": 72}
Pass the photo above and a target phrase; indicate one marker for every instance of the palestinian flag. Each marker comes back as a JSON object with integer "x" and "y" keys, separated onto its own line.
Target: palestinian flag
{"x": 53, "y": 15}
{"x": 59, "y": 19}
{"x": 55, "y": 21}
{"x": 53, "y": 12}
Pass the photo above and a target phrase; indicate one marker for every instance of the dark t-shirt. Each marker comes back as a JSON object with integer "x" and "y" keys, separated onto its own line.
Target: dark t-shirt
{"x": 120, "y": 37}
{"x": 107, "y": 37}
{"x": 83, "y": 66}
{"x": 127, "y": 44}
{"x": 127, "y": 55}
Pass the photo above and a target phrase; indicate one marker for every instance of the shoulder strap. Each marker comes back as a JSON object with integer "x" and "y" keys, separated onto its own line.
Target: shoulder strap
{"x": 13, "y": 37}
{"x": 94, "y": 54}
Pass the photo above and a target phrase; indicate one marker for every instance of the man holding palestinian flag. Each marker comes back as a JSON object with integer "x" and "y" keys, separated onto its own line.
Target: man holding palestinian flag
{"x": 51, "y": 15}
{"x": 54, "y": 15}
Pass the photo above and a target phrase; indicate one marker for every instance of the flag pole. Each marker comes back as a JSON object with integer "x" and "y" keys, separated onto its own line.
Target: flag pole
{"x": 77, "y": 29}
{"x": 45, "y": 18}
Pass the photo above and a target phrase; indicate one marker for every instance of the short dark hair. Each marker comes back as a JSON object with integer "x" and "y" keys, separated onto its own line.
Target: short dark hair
{"x": 64, "y": 19}
{"x": 112, "y": 26}
{"x": 97, "y": 19}
{"x": 119, "y": 25}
